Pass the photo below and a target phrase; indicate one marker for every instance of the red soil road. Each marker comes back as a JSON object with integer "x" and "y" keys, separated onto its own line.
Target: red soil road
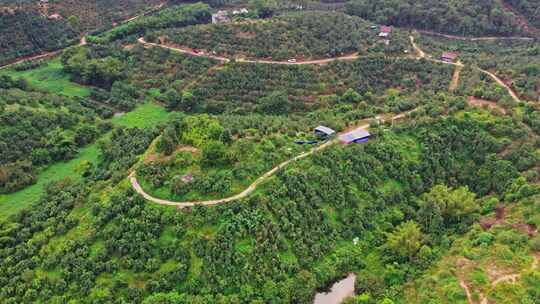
{"x": 225, "y": 59}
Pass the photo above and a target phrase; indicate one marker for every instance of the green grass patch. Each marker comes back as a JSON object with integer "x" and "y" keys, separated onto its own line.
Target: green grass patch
{"x": 51, "y": 78}
{"x": 144, "y": 116}
{"x": 14, "y": 202}
{"x": 244, "y": 246}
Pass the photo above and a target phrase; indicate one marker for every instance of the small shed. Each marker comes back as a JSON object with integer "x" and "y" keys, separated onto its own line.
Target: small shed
{"x": 355, "y": 136}
{"x": 324, "y": 131}
{"x": 449, "y": 56}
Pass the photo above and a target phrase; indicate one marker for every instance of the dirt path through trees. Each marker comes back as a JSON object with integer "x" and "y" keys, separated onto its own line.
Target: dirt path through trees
{"x": 455, "y": 77}
{"x": 137, "y": 187}
{"x": 422, "y": 54}
{"x": 224, "y": 59}
{"x": 505, "y": 278}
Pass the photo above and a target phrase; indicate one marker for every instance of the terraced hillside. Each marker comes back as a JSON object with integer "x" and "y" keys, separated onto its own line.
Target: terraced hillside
{"x": 300, "y": 36}
{"x": 460, "y": 17}
{"x": 24, "y": 33}
{"x": 34, "y": 27}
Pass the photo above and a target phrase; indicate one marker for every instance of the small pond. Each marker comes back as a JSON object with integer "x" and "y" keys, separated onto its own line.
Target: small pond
{"x": 338, "y": 293}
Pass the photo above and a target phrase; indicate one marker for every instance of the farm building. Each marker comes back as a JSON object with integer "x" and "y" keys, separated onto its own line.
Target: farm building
{"x": 324, "y": 131}
{"x": 355, "y": 136}
{"x": 385, "y": 31}
{"x": 449, "y": 56}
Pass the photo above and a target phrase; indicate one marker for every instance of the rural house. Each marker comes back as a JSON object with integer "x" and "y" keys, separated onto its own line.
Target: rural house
{"x": 385, "y": 31}
{"x": 449, "y": 56}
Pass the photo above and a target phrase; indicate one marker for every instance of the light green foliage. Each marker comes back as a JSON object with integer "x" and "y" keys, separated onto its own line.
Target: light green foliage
{"x": 200, "y": 129}
{"x": 406, "y": 240}
{"x": 50, "y": 77}
{"x": 443, "y": 207}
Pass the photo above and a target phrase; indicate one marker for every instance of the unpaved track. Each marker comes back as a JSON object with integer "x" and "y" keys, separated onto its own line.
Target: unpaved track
{"x": 422, "y": 54}
{"x": 455, "y": 78}
{"x": 501, "y": 83}
{"x": 508, "y": 278}
{"x": 137, "y": 187}
{"x": 225, "y": 59}
{"x": 487, "y": 38}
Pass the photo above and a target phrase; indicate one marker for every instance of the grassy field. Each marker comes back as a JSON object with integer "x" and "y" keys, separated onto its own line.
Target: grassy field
{"x": 144, "y": 116}
{"x": 51, "y": 78}
{"x": 14, "y": 202}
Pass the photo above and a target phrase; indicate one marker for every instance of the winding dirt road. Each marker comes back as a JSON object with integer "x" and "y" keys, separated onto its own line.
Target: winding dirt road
{"x": 137, "y": 187}
{"x": 225, "y": 59}
{"x": 422, "y": 54}
{"x": 492, "y": 38}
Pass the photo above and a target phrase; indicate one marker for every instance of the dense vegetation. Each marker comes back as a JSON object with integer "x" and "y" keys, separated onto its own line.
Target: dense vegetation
{"x": 281, "y": 238}
{"x": 464, "y": 17}
{"x": 529, "y": 9}
{"x": 442, "y": 197}
{"x": 296, "y": 35}
{"x": 37, "y": 129}
{"x": 24, "y": 33}
{"x": 176, "y": 16}
{"x": 514, "y": 61}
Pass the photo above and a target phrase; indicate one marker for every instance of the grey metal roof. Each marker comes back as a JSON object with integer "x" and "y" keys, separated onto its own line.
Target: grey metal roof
{"x": 325, "y": 130}
{"x": 354, "y": 135}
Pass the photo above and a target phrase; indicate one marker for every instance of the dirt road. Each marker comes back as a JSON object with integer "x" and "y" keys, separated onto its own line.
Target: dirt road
{"x": 455, "y": 78}
{"x": 225, "y": 59}
{"x": 137, "y": 187}
{"x": 422, "y": 54}
{"x": 454, "y": 37}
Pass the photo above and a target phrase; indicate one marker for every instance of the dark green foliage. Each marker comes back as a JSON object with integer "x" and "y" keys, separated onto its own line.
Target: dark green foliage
{"x": 25, "y": 33}
{"x": 37, "y": 129}
{"x": 120, "y": 151}
{"x": 176, "y": 16}
{"x": 456, "y": 17}
{"x": 297, "y": 35}
{"x": 528, "y": 8}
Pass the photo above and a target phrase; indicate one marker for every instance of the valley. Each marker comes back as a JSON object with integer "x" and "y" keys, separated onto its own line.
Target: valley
{"x": 269, "y": 151}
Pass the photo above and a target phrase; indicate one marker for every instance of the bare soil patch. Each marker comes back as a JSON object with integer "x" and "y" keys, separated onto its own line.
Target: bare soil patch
{"x": 482, "y": 103}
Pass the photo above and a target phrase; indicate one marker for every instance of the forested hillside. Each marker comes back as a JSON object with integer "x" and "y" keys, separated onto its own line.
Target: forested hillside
{"x": 24, "y": 33}
{"x": 34, "y": 27}
{"x": 38, "y": 129}
{"x": 529, "y": 8}
{"x": 306, "y": 35}
{"x": 460, "y": 17}
{"x": 267, "y": 156}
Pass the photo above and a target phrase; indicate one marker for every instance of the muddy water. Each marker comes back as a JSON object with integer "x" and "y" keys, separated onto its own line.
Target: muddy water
{"x": 339, "y": 291}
